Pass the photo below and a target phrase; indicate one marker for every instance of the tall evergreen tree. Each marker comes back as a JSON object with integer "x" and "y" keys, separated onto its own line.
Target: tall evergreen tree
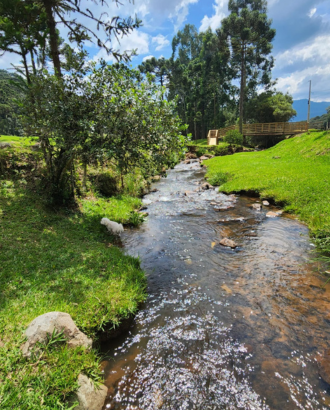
{"x": 158, "y": 67}
{"x": 199, "y": 77}
{"x": 249, "y": 34}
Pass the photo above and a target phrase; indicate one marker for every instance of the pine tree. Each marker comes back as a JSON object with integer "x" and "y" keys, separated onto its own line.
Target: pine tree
{"x": 249, "y": 34}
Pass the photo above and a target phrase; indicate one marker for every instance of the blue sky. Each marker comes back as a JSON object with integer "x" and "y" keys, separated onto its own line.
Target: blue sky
{"x": 301, "y": 47}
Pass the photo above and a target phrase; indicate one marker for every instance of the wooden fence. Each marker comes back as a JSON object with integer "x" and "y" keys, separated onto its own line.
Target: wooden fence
{"x": 273, "y": 128}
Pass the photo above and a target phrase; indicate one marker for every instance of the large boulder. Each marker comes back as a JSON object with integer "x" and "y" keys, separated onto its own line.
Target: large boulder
{"x": 88, "y": 396}
{"x": 41, "y": 328}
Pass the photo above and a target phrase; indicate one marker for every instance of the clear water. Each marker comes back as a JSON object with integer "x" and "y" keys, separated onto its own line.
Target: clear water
{"x": 222, "y": 328}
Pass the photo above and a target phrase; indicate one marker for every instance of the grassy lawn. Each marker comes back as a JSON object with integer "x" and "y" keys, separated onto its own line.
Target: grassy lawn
{"x": 295, "y": 172}
{"x": 18, "y": 141}
{"x": 200, "y": 143}
{"x": 67, "y": 262}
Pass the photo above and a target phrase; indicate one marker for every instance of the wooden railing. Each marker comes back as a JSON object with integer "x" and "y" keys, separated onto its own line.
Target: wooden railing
{"x": 276, "y": 128}
{"x": 273, "y": 128}
{"x": 223, "y": 131}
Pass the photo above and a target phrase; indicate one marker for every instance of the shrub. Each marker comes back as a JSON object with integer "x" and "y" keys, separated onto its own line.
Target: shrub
{"x": 233, "y": 137}
{"x": 201, "y": 151}
{"x": 106, "y": 184}
{"x": 218, "y": 179}
{"x": 221, "y": 150}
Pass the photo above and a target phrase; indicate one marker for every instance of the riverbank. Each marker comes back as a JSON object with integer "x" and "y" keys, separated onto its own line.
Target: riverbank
{"x": 65, "y": 261}
{"x": 295, "y": 173}
{"x": 221, "y": 325}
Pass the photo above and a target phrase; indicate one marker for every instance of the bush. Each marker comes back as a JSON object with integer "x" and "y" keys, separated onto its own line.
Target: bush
{"x": 233, "y": 137}
{"x": 201, "y": 151}
{"x": 218, "y": 179}
{"x": 106, "y": 184}
{"x": 221, "y": 150}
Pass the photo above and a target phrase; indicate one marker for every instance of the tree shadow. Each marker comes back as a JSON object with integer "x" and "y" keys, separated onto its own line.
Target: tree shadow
{"x": 63, "y": 261}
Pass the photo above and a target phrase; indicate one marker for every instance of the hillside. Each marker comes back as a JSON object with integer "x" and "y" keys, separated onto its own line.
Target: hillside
{"x": 317, "y": 109}
{"x": 294, "y": 173}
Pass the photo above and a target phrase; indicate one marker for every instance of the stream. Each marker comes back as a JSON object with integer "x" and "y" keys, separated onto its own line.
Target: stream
{"x": 222, "y": 328}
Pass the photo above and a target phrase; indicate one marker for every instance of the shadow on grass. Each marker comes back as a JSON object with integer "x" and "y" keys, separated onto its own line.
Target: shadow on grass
{"x": 62, "y": 261}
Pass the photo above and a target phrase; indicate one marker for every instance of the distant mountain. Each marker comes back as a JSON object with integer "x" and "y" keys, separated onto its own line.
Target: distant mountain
{"x": 317, "y": 109}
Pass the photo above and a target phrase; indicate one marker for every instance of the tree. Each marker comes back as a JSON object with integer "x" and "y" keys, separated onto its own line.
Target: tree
{"x": 157, "y": 67}
{"x": 66, "y": 12}
{"x": 12, "y": 87}
{"x": 270, "y": 106}
{"x": 249, "y": 34}
{"x": 103, "y": 111}
{"x": 31, "y": 26}
{"x": 199, "y": 77}
{"x": 139, "y": 127}
{"x": 22, "y": 30}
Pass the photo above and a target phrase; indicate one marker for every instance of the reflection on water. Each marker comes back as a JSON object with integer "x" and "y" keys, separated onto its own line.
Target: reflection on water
{"x": 222, "y": 328}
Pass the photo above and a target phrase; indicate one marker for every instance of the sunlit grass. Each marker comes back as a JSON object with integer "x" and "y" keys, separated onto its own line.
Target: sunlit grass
{"x": 64, "y": 261}
{"x": 296, "y": 173}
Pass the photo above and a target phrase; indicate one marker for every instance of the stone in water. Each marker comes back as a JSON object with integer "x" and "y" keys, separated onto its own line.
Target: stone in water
{"x": 228, "y": 242}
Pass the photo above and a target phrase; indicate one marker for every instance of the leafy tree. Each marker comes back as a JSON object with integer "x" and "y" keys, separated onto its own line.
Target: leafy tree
{"x": 22, "y": 30}
{"x": 103, "y": 112}
{"x": 139, "y": 126}
{"x": 199, "y": 77}
{"x": 66, "y": 11}
{"x": 157, "y": 67}
{"x": 31, "y": 27}
{"x": 12, "y": 87}
{"x": 270, "y": 107}
{"x": 249, "y": 34}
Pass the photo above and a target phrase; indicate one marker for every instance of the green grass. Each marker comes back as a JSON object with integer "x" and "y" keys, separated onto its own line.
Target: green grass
{"x": 200, "y": 143}
{"x": 296, "y": 172}
{"x": 67, "y": 262}
{"x": 18, "y": 141}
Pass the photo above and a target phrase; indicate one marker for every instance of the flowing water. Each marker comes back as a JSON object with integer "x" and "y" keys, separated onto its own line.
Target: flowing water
{"x": 222, "y": 328}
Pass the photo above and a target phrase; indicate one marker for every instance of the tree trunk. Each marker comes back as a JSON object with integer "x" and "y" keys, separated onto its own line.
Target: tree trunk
{"x": 33, "y": 63}
{"x": 84, "y": 184}
{"x": 53, "y": 36}
{"x": 242, "y": 90}
{"x": 27, "y": 73}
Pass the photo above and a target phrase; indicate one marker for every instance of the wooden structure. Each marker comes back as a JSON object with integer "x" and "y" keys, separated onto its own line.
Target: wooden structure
{"x": 273, "y": 128}
{"x": 213, "y": 137}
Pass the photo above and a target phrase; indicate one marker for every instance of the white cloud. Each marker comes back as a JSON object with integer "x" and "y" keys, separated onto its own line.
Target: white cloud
{"x": 161, "y": 42}
{"x": 181, "y": 12}
{"x": 312, "y": 12}
{"x": 147, "y": 58}
{"x": 137, "y": 40}
{"x": 297, "y": 83}
{"x": 221, "y": 10}
{"x": 307, "y": 61}
{"x": 9, "y": 59}
{"x": 315, "y": 50}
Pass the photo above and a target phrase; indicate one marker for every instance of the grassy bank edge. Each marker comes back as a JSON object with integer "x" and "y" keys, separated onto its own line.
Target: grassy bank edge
{"x": 295, "y": 174}
{"x": 59, "y": 261}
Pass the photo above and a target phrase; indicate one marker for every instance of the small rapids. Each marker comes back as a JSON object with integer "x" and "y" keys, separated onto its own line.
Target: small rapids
{"x": 222, "y": 328}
